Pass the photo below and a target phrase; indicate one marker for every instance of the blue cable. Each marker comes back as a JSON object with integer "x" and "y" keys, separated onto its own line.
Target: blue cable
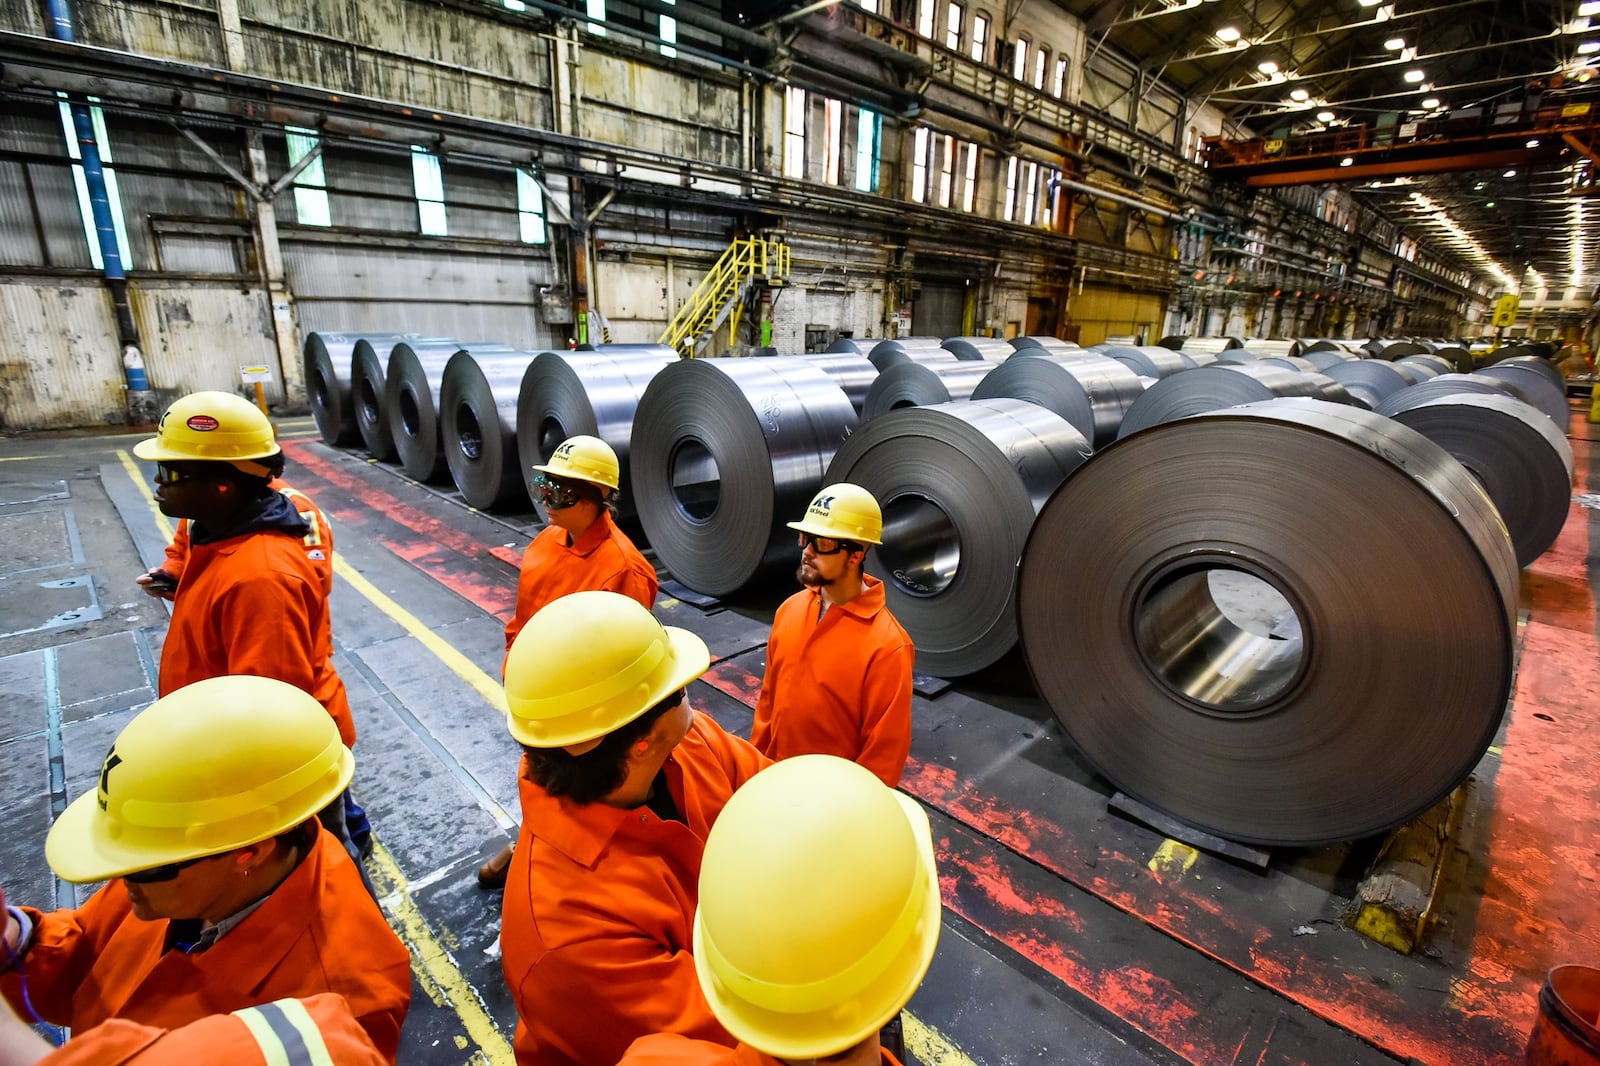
{"x": 51, "y": 1033}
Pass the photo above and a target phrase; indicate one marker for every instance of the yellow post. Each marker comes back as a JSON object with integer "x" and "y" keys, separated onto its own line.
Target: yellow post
{"x": 261, "y": 398}
{"x": 1594, "y": 402}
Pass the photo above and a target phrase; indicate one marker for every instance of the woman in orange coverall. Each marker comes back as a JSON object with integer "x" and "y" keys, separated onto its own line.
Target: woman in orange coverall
{"x": 801, "y": 957}
{"x": 222, "y": 892}
{"x": 621, "y": 780}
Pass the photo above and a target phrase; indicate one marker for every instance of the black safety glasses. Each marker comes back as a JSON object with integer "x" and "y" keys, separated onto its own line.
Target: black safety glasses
{"x": 171, "y": 475}
{"x": 168, "y": 872}
{"x": 555, "y": 494}
{"x": 826, "y": 545}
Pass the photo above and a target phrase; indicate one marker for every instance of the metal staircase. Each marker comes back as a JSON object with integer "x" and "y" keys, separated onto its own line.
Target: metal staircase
{"x": 748, "y": 264}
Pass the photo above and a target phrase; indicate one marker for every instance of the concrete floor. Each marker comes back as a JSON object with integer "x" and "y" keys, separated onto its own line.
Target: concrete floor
{"x": 1072, "y": 935}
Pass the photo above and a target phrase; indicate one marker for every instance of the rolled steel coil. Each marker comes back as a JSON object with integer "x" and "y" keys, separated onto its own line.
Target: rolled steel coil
{"x": 725, "y": 452}
{"x": 989, "y": 349}
{"x": 852, "y": 373}
{"x": 1179, "y": 343}
{"x": 368, "y": 366}
{"x": 1323, "y": 358}
{"x": 478, "y": 406}
{"x": 1150, "y": 360}
{"x": 1539, "y": 365}
{"x": 1530, "y": 383}
{"x": 860, "y": 347}
{"x": 959, "y": 484}
{"x": 1522, "y": 461}
{"x": 892, "y": 353}
{"x": 1460, "y": 359}
{"x": 1443, "y": 385}
{"x": 924, "y": 384}
{"x": 1091, "y": 392}
{"x": 327, "y": 360}
{"x": 1237, "y": 357}
{"x": 1371, "y": 380}
{"x": 411, "y": 386}
{"x": 1264, "y": 348}
{"x": 1431, "y": 365}
{"x": 1320, "y": 344}
{"x": 656, "y": 351}
{"x": 1203, "y": 358}
{"x": 1212, "y": 388}
{"x": 1235, "y": 666}
{"x": 1334, "y": 392}
{"x": 1290, "y": 362}
{"x": 1053, "y": 345}
{"x": 564, "y": 394}
{"x": 1390, "y": 350}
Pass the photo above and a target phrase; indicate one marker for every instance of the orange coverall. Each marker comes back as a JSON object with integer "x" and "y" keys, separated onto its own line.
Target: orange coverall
{"x": 318, "y": 543}
{"x": 219, "y": 1038}
{"x": 319, "y": 931}
{"x": 841, "y": 686}
{"x": 597, "y": 923}
{"x": 602, "y": 560}
{"x": 255, "y": 604}
{"x": 670, "y": 1049}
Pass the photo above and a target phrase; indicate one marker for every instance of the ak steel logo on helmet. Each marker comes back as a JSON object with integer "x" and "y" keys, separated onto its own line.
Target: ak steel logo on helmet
{"x": 564, "y": 451}
{"x": 202, "y": 423}
{"x": 113, "y": 760}
{"x": 822, "y": 504}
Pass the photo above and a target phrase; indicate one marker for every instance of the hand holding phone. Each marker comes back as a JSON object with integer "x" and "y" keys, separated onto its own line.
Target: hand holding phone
{"x": 157, "y": 583}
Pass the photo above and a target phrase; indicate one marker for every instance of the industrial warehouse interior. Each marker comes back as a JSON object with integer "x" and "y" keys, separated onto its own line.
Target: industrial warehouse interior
{"x": 1224, "y": 370}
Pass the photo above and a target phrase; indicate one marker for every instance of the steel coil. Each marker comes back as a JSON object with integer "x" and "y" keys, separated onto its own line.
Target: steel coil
{"x": 654, "y": 351}
{"x": 1529, "y": 383}
{"x": 1521, "y": 460}
{"x": 959, "y": 484}
{"x": 1390, "y": 350}
{"x": 1290, "y": 362}
{"x": 923, "y": 384}
{"x": 1150, "y": 360}
{"x": 989, "y": 349}
{"x": 860, "y": 347}
{"x": 1334, "y": 392}
{"x": 725, "y": 452}
{"x": 1091, "y": 392}
{"x": 1539, "y": 365}
{"x": 1430, "y": 365}
{"x": 327, "y": 359}
{"x": 1053, "y": 345}
{"x": 1233, "y": 664}
{"x": 852, "y": 373}
{"x": 478, "y": 406}
{"x": 1460, "y": 359}
{"x": 1212, "y": 388}
{"x": 1262, "y": 348}
{"x": 1179, "y": 343}
{"x": 1443, "y": 385}
{"x": 369, "y": 364}
{"x": 564, "y": 394}
{"x": 1370, "y": 380}
{"x": 1237, "y": 357}
{"x": 892, "y": 353}
{"x": 1323, "y": 358}
{"x": 410, "y": 405}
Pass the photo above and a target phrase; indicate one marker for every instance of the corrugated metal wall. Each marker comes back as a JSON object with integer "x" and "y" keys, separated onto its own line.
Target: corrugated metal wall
{"x": 197, "y": 335}
{"x": 59, "y": 361}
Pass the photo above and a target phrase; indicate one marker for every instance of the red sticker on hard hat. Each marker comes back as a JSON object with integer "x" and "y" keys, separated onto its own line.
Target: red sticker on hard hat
{"x": 202, "y": 423}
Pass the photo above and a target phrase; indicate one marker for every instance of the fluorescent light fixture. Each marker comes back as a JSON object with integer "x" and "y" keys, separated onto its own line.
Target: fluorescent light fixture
{"x": 1347, "y": 161}
{"x": 1299, "y": 96}
{"x": 1369, "y": 3}
{"x": 1489, "y": 204}
{"x": 1589, "y": 7}
{"x": 1430, "y": 103}
{"x": 1394, "y": 44}
{"x": 1414, "y": 76}
{"x": 1329, "y": 116}
{"x": 1509, "y": 174}
{"x": 1267, "y": 66}
{"x": 1589, "y": 48}
{"x": 1229, "y": 34}
{"x": 1533, "y": 143}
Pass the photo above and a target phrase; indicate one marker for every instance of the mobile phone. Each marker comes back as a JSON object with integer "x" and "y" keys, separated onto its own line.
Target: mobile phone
{"x": 162, "y": 583}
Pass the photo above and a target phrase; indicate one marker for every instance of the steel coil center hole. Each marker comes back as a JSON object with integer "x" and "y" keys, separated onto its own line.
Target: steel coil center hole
{"x": 319, "y": 387}
{"x": 696, "y": 480}
{"x": 469, "y": 435}
{"x": 410, "y": 416}
{"x": 921, "y": 549}
{"x": 1219, "y": 636}
{"x": 369, "y": 402}
{"x": 551, "y": 434}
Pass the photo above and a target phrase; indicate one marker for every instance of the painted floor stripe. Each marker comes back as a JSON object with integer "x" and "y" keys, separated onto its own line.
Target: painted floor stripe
{"x": 929, "y": 1046}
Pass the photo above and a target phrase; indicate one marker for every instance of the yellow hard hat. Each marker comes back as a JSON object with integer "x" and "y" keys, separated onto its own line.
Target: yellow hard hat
{"x": 585, "y": 458}
{"x": 844, "y": 512}
{"x": 819, "y": 907}
{"x": 214, "y": 766}
{"x": 588, "y": 663}
{"x": 214, "y": 426}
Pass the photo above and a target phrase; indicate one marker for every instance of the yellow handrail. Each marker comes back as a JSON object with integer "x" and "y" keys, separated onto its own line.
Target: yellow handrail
{"x": 745, "y": 259}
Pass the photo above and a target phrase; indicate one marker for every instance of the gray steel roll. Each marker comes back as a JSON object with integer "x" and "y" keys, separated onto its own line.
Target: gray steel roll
{"x": 410, "y": 404}
{"x": 478, "y": 407}
{"x": 1443, "y": 385}
{"x": 1203, "y": 358}
{"x": 923, "y": 384}
{"x": 368, "y": 365}
{"x": 1212, "y": 388}
{"x": 1237, "y": 357}
{"x": 1539, "y": 365}
{"x": 1391, "y": 350}
{"x": 1290, "y": 362}
{"x": 959, "y": 484}
{"x": 1179, "y": 343}
{"x": 1431, "y": 365}
{"x": 1529, "y": 382}
{"x": 852, "y": 373}
{"x": 327, "y": 361}
{"x": 725, "y": 452}
{"x": 1370, "y": 380}
{"x": 655, "y": 351}
{"x": 857, "y": 346}
{"x": 1262, "y": 348}
{"x": 1150, "y": 360}
{"x": 892, "y": 353}
{"x": 989, "y": 349}
{"x": 1091, "y": 392}
{"x": 564, "y": 394}
{"x": 1334, "y": 392}
{"x": 1233, "y": 664}
{"x": 1053, "y": 345}
{"x": 1460, "y": 359}
{"x": 1521, "y": 460}
{"x": 1323, "y": 358}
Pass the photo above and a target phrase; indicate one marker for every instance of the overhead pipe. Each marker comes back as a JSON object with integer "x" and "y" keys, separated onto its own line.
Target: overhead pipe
{"x": 140, "y": 403}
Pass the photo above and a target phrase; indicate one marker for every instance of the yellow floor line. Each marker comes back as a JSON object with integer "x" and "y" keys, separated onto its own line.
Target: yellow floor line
{"x": 1173, "y": 859}
{"x": 163, "y": 523}
{"x": 931, "y": 1047}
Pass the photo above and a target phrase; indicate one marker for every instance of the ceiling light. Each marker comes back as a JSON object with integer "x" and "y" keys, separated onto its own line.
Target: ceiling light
{"x": 1480, "y": 185}
{"x": 1267, "y": 67}
{"x": 1414, "y": 76}
{"x": 1229, "y": 34}
{"x": 1489, "y": 204}
{"x": 1509, "y": 174}
{"x": 1533, "y": 143}
{"x": 1369, "y": 3}
{"x": 1299, "y": 96}
{"x": 1346, "y": 161}
{"x": 1589, "y": 7}
{"x": 1394, "y": 44}
{"x": 1329, "y": 116}
{"x": 1589, "y": 48}
{"x": 1430, "y": 103}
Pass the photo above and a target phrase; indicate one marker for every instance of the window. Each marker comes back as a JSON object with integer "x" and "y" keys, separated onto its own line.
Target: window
{"x": 925, "y": 17}
{"x": 530, "y": 208}
{"x": 113, "y": 197}
{"x": 669, "y": 32}
{"x": 947, "y": 170}
{"x": 952, "y": 26}
{"x": 1019, "y": 59}
{"x": 428, "y": 182}
{"x": 1041, "y": 63}
{"x": 1030, "y": 197}
{"x": 1011, "y": 190}
{"x": 794, "y": 133}
{"x": 969, "y": 187}
{"x": 921, "y": 145}
{"x": 980, "y": 37}
{"x": 310, "y": 185}
{"x": 870, "y": 5}
{"x": 869, "y": 133}
{"x": 1047, "y": 208}
{"x": 1058, "y": 84}
{"x": 596, "y": 10}
{"x": 833, "y": 115}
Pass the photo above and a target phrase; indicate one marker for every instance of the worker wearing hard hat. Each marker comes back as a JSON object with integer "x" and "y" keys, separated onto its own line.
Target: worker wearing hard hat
{"x": 819, "y": 914}
{"x": 621, "y": 781}
{"x": 580, "y": 550}
{"x": 838, "y": 678}
{"x": 223, "y": 891}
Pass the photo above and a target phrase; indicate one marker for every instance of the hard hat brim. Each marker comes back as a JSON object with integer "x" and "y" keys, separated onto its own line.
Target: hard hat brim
{"x": 815, "y": 1035}
{"x": 81, "y": 850}
{"x": 691, "y": 658}
{"x": 818, "y": 530}
{"x": 151, "y": 450}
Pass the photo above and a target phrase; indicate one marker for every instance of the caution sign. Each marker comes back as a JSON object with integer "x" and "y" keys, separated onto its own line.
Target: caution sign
{"x": 253, "y": 374}
{"x": 1505, "y": 310}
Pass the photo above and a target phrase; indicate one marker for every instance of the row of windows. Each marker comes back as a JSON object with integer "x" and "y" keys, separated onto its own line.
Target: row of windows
{"x": 1030, "y": 62}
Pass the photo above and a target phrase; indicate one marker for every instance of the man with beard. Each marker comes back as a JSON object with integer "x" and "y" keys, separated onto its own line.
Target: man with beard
{"x": 838, "y": 679}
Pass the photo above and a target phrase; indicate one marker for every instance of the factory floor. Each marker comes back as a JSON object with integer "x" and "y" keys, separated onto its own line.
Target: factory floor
{"x": 1072, "y": 934}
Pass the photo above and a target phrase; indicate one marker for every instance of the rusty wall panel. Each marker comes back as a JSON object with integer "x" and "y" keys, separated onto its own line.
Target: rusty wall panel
{"x": 657, "y": 110}
{"x": 60, "y": 363}
{"x": 198, "y": 335}
{"x": 21, "y": 243}
{"x": 152, "y": 28}
{"x": 23, "y": 16}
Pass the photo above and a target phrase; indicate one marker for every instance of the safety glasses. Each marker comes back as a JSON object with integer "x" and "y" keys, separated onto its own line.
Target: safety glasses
{"x": 826, "y": 545}
{"x": 171, "y": 475}
{"x": 555, "y": 494}
{"x": 168, "y": 872}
